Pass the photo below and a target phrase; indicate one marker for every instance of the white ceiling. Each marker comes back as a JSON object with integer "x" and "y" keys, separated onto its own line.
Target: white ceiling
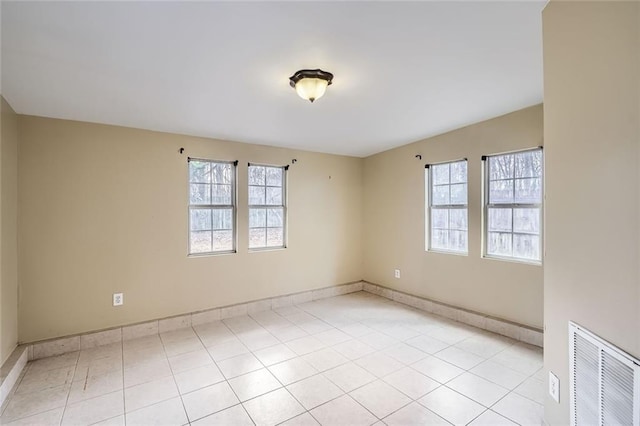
{"x": 403, "y": 70}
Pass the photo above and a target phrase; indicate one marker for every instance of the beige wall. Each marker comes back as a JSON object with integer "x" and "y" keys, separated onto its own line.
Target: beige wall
{"x": 103, "y": 209}
{"x": 394, "y": 222}
{"x": 592, "y": 142}
{"x": 8, "y": 230}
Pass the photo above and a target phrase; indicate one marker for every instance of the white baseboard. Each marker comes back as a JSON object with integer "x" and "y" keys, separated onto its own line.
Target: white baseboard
{"x": 62, "y": 345}
{"x": 510, "y": 329}
{"x": 11, "y": 370}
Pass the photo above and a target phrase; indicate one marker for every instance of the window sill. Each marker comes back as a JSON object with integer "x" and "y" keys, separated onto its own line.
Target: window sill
{"x": 211, "y": 254}
{"x": 456, "y": 253}
{"x": 513, "y": 260}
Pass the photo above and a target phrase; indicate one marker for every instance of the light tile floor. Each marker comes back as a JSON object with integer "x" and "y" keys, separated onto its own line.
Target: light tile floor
{"x": 357, "y": 359}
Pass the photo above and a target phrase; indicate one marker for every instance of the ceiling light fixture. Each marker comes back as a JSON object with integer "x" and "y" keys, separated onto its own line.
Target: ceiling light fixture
{"x": 310, "y": 84}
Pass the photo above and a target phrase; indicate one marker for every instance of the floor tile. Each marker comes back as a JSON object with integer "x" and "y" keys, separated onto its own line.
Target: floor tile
{"x": 94, "y": 410}
{"x": 35, "y": 380}
{"x": 520, "y": 410}
{"x": 239, "y": 365}
{"x": 343, "y": 411}
{"x": 437, "y": 369}
{"x": 484, "y": 346}
{"x": 292, "y": 370}
{"x": 198, "y": 378}
{"x": 48, "y": 418}
{"x": 427, "y": 344}
{"x": 533, "y": 389}
{"x": 274, "y": 354}
{"x": 411, "y": 383}
{"x": 286, "y": 334}
{"x": 305, "y": 345}
{"x": 378, "y": 340}
{"x": 405, "y": 354}
{"x": 31, "y": 403}
{"x": 349, "y": 376}
{"x": 98, "y": 366}
{"x": 94, "y": 386}
{"x": 451, "y": 406}
{"x": 498, "y": 374}
{"x": 380, "y": 398}
{"x": 414, "y": 414}
{"x": 149, "y": 393}
{"x": 325, "y": 359}
{"x": 209, "y": 400}
{"x": 379, "y": 364}
{"x": 304, "y": 419}
{"x": 314, "y": 391}
{"x": 490, "y": 418}
{"x": 113, "y": 421}
{"x": 184, "y": 362}
{"x": 254, "y": 384}
{"x": 520, "y": 358}
{"x": 459, "y": 358}
{"x": 146, "y": 372}
{"x": 353, "y": 349}
{"x": 273, "y": 408}
{"x": 170, "y": 413}
{"x": 332, "y": 337}
{"x": 478, "y": 389}
{"x": 236, "y": 416}
{"x": 54, "y": 362}
{"x": 228, "y": 349}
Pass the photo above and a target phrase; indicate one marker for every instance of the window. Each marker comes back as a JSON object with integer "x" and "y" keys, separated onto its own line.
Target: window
{"x": 267, "y": 206}
{"x": 447, "y": 201}
{"x": 513, "y": 205}
{"x": 212, "y": 206}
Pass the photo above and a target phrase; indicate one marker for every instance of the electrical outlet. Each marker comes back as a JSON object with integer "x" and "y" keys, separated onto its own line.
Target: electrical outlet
{"x": 554, "y": 387}
{"x": 396, "y": 273}
{"x": 118, "y": 299}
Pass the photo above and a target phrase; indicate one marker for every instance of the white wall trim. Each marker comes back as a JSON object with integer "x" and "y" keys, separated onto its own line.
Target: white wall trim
{"x": 66, "y": 344}
{"x": 11, "y": 370}
{"x": 510, "y": 329}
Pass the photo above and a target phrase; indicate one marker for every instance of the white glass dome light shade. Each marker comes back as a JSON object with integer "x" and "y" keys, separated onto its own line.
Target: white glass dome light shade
{"x": 311, "y": 84}
{"x": 311, "y": 88}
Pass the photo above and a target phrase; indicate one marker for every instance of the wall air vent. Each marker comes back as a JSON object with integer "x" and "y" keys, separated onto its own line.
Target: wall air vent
{"x": 605, "y": 381}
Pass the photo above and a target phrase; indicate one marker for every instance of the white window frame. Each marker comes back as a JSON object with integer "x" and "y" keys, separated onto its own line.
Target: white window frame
{"x": 430, "y": 207}
{"x": 232, "y": 206}
{"x": 285, "y": 173}
{"x": 487, "y": 205}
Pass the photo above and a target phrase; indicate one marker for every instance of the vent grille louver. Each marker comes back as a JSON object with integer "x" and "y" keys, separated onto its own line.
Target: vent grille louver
{"x": 605, "y": 382}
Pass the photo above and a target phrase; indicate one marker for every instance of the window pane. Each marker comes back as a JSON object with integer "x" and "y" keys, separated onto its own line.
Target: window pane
{"x": 221, "y": 173}
{"x": 257, "y": 237}
{"x": 275, "y": 237}
{"x": 501, "y": 191}
{"x": 440, "y": 174}
{"x": 274, "y": 217}
{"x": 257, "y": 195}
{"x": 274, "y": 176}
{"x": 440, "y": 239}
{"x": 257, "y": 218}
{"x": 458, "y": 219}
{"x": 529, "y": 191}
{"x": 499, "y": 244}
{"x": 222, "y": 219}
{"x": 528, "y": 164}
{"x": 274, "y": 196}
{"x": 458, "y": 241}
{"x": 459, "y": 172}
{"x": 526, "y": 220}
{"x": 526, "y": 246}
{"x": 257, "y": 175}
{"x": 200, "y": 194}
{"x": 199, "y": 172}
{"x": 439, "y": 218}
{"x": 221, "y": 194}
{"x": 459, "y": 194}
{"x": 200, "y": 242}
{"x": 200, "y": 219}
{"x": 222, "y": 240}
{"x": 440, "y": 195}
{"x": 501, "y": 167}
{"x": 500, "y": 220}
